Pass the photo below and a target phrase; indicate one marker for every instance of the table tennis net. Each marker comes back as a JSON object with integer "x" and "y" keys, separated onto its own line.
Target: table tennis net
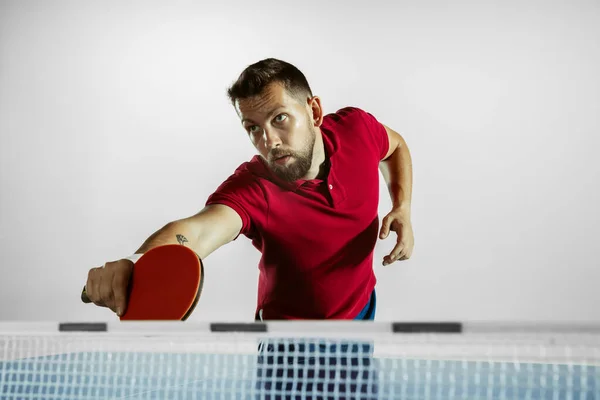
{"x": 166, "y": 362}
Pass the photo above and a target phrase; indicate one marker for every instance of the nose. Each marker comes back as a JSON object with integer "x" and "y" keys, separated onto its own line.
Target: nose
{"x": 272, "y": 138}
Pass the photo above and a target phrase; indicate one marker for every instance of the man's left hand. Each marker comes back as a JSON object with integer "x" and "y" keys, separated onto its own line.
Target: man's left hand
{"x": 398, "y": 220}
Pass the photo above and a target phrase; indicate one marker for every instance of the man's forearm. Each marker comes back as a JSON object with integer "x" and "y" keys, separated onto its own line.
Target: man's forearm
{"x": 177, "y": 232}
{"x": 397, "y": 172}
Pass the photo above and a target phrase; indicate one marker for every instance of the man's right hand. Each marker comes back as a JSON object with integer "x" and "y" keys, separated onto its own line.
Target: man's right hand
{"x": 107, "y": 286}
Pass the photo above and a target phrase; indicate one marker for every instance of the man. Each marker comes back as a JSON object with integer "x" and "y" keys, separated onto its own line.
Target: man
{"x": 308, "y": 201}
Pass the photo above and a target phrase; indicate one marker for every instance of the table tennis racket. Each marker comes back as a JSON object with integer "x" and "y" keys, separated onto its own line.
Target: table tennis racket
{"x": 165, "y": 284}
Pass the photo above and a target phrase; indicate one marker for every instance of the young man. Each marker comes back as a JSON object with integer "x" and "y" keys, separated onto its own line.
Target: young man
{"x": 308, "y": 201}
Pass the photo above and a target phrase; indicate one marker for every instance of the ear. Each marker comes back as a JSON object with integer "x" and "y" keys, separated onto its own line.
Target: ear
{"x": 316, "y": 109}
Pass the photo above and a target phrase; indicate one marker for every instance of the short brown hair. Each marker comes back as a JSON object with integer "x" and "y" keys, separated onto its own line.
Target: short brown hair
{"x": 256, "y": 77}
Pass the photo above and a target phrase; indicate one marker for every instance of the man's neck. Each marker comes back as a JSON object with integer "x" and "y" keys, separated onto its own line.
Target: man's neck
{"x": 320, "y": 166}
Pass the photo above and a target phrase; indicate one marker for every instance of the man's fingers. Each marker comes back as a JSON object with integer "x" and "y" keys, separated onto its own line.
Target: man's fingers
{"x": 106, "y": 292}
{"x": 89, "y": 289}
{"x": 119, "y": 287}
{"x": 393, "y": 256}
{"x": 107, "y": 286}
{"x": 385, "y": 227}
{"x": 96, "y": 285}
{"x": 400, "y": 252}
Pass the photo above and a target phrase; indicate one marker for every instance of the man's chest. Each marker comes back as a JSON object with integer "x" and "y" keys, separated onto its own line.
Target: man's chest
{"x": 324, "y": 217}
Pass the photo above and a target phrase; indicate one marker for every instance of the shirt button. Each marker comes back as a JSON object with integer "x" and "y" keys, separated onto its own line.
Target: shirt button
{"x": 330, "y": 186}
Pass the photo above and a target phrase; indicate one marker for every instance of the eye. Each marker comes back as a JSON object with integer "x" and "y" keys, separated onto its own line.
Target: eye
{"x": 280, "y": 118}
{"x": 253, "y": 129}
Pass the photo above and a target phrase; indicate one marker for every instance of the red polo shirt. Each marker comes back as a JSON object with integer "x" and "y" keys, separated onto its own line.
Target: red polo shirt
{"x": 316, "y": 237}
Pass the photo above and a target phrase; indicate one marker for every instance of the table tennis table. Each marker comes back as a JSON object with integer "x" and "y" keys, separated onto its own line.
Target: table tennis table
{"x": 298, "y": 360}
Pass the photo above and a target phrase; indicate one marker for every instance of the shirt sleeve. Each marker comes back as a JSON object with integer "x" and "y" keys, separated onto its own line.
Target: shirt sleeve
{"x": 376, "y": 134}
{"x": 243, "y": 194}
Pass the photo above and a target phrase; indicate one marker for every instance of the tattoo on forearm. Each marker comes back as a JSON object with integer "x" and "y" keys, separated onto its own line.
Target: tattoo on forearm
{"x": 181, "y": 239}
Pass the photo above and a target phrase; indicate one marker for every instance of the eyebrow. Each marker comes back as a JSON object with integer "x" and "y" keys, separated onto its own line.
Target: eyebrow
{"x": 269, "y": 114}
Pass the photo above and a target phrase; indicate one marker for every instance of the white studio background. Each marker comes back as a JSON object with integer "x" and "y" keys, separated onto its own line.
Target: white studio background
{"x": 114, "y": 120}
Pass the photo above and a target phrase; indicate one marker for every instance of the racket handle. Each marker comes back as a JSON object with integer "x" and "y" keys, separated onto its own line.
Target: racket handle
{"x": 84, "y": 296}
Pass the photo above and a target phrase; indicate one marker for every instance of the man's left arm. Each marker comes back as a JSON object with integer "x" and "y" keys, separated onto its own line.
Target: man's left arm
{"x": 396, "y": 168}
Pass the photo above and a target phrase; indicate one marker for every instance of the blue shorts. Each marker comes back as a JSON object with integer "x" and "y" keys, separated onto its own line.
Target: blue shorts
{"x": 368, "y": 312}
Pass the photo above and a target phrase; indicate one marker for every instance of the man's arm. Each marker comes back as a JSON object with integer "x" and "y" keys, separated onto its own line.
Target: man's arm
{"x": 396, "y": 168}
{"x": 204, "y": 232}
{"x": 211, "y": 228}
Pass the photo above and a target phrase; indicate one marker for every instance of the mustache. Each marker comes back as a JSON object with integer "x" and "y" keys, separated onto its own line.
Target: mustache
{"x": 278, "y": 153}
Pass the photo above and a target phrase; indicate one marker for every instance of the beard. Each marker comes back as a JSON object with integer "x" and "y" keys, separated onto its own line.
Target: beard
{"x": 299, "y": 163}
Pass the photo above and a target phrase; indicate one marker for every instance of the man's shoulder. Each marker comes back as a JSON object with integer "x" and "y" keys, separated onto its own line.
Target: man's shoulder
{"x": 243, "y": 191}
{"x": 249, "y": 172}
{"x": 353, "y": 126}
{"x": 244, "y": 184}
{"x": 343, "y": 116}
{"x": 348, "y": 122}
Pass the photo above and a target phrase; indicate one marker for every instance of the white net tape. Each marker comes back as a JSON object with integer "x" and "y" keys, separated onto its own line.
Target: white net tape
{"x": 168, "y": 362}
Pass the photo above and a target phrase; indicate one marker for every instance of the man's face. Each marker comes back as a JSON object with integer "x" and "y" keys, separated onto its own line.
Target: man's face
{"x": 281, "y": 128}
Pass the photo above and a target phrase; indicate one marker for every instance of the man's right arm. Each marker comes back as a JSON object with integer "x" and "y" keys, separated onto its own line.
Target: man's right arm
{"x": 204, "y": 232}
{"x": 213, "y": 227}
